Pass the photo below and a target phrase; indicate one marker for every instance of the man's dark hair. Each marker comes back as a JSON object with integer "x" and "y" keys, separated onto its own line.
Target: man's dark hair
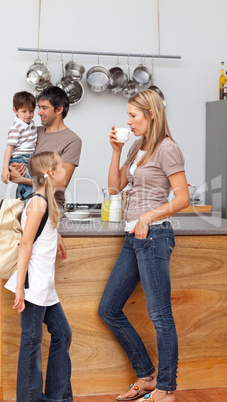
{"x": 24, "y": 99}
{"x": 57, "y": 98}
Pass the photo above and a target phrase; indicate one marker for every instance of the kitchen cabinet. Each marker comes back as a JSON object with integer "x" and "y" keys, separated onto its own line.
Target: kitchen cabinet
{"x": 216, "y": 156}
{"x": 99, "y": 365}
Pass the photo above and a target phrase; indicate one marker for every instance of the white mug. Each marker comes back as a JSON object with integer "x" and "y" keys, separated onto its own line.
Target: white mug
{"x": 123, "y": 134}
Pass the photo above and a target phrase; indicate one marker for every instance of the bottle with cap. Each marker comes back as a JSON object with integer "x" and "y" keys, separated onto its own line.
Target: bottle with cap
{"x": 115, "y": 208}
{"x": 225, "y": 88}
{"x": 222, "y": 79}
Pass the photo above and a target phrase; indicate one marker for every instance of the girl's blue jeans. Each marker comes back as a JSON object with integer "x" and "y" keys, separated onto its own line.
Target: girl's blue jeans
{"x": 28, "y": 189}
{"x": 29, "y": 374}
{"x": 145, "y": 260}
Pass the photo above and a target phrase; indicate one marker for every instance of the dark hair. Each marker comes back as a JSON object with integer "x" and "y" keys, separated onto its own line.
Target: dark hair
{"x": 22, "y": 99}
{"x": 57, "y": 98}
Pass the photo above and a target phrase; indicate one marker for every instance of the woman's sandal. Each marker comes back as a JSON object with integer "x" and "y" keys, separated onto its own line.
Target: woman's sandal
{"x": 149, "y": 397}
{"x": 140, "y": 392}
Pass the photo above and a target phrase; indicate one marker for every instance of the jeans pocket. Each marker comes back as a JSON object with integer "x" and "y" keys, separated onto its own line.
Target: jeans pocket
{"x": 170, "y": 243}
{"x": 163, "y": 246}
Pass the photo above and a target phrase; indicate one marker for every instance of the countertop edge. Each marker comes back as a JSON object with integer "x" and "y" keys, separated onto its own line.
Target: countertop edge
{"x": 182, "y": 226}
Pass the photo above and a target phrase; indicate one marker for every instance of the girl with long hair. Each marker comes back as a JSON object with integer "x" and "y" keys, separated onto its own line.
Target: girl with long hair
{"x": 39, "y": 303}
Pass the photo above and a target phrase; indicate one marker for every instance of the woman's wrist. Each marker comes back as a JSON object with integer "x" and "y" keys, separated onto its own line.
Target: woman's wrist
{"x": 146, "y": 218}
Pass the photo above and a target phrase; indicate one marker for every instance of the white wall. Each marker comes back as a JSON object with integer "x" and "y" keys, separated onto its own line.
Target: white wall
{"x": 195, "y": 30}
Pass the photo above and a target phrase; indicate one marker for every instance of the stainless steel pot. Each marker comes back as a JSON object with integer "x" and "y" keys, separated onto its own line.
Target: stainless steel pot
{"x": 98, "y": 78}
{"x": 38, "y": 74}
{"x": 158, "y": 90}
{"x": 153, "y": 87}
{"x": 141, "y": 75}
{"x": 74, "y": 89}
{"x": 38, "y": 90}
{"x": 118, "y": 79}
{"x": 74, "y": 70}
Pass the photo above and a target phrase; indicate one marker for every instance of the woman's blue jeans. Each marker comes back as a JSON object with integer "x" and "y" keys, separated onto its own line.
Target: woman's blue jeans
{"x": 26, "y": 190}
{"x": 145, "y": 260}
{"x": 29, "y": 374}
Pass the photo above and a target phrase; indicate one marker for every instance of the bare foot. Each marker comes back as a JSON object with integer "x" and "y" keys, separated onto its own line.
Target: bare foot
{"x": 160, "y": 396}
{"x": 147, "y": 384}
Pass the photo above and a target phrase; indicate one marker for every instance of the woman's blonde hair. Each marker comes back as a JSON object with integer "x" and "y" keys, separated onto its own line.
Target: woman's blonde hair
{"x": 38, "y": 166}
{"x": 158, "y": 128}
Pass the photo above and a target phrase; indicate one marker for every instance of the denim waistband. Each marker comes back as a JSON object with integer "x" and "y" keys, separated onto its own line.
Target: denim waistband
{"x": 164, "y": 227}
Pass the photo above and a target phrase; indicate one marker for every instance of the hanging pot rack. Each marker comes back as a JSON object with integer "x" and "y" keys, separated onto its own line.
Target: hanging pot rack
{"x": 76, "y": 52}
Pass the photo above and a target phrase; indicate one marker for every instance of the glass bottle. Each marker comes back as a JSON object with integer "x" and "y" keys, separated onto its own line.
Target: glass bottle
{"x": 105, "y": 206}
{"x": 115, "y": 208}
{"x": 222, "y": 79}
{"x": 225, "y": 88}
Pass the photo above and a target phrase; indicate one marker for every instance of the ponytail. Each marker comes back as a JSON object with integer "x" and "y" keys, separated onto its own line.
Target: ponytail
{"x": 38, "y": 166}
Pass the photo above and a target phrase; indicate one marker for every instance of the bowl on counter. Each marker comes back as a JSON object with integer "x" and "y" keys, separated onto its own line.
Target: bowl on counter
{"x": 77, "y": 215}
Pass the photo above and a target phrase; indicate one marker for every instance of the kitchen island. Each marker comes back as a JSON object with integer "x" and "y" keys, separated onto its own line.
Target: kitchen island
{"x": 199, "y": 300}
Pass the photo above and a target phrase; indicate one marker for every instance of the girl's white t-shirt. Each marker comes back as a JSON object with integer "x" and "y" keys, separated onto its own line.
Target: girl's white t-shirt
{"x": 41, "y": 268}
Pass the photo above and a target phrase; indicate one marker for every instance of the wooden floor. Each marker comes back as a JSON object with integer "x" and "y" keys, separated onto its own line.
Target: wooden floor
{"x": 203, "y": 395}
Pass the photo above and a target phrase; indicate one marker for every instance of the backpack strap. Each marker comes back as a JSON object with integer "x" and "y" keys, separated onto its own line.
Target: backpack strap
{"x": 43, "y": 220}
{"x": 40, "y": 228}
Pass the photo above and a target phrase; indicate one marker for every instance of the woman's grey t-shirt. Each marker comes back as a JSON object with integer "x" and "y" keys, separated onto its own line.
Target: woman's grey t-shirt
{"x": 149, "y": 185}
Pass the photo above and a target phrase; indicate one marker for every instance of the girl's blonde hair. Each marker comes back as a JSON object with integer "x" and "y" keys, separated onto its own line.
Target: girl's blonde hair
{"x": 38, "y": 166}
{"x": 158, "y": 128}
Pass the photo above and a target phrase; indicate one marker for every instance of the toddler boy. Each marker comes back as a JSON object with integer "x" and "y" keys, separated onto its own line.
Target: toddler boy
{"x": 22, "y": 138}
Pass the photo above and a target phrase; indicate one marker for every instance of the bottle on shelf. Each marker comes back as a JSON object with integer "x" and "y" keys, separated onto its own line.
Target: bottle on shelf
{"x": 105, "y": 206}
{"x": 222, "y": 79}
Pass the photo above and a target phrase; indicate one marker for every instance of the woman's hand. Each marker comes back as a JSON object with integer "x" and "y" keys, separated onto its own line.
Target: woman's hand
{"x": 117, "y": 146}
{"x": 141, "y": 228}
{"x": 61, "y": 249}
{"x": 19, "y": 300}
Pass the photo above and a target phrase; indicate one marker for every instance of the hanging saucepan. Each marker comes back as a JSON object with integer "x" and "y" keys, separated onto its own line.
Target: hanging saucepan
{"x": 38, "y": 90}
{"x": 77, "y": 93}
{"x": 130, "y": 88}
{"x": 74, "y": 89}
{"x": 154, "y": 88}
{"x": 74, "y": 70}
{"x": 38, "y": 74}
{"x": 98, "y": 77}
{"x": 141, "y": 75}
{"x": 118, "y": 79}
{"x": 158, "y": 90}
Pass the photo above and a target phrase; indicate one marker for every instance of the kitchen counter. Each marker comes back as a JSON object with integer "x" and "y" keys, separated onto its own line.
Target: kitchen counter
{"x": 198, "y": 271}
{"x": 182, "y": 225}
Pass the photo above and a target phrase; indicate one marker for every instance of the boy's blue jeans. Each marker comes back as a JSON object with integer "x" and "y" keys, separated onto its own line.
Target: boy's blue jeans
{"x": 28, "y": 189}
{"x": 29, "y": 374}
{"x": 145, "y": 260}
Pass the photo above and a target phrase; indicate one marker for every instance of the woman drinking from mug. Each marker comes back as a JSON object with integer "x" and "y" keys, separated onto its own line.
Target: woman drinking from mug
{"x": 153, "y": 166}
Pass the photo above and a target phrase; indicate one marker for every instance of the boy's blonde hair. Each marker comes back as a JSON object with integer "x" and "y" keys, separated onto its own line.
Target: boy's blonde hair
{"x": 158, "y": 128}
{"x": 38, "y": 166}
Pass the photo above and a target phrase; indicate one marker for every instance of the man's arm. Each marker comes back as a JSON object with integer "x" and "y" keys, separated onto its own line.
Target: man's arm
{"x": 17, "y": 178}
{"x": 69, "y": 171}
